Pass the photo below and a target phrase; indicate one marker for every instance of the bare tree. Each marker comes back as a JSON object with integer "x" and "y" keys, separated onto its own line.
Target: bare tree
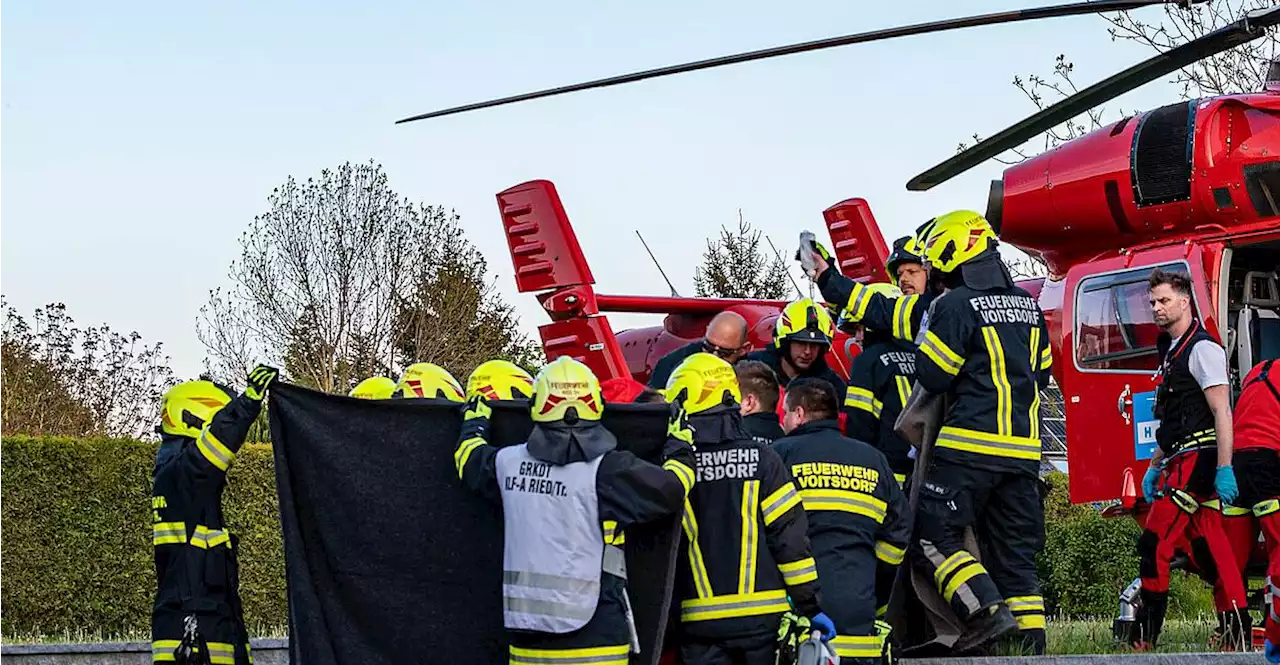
{"x": 325, "y": 276}
{"x": 736, "y": 266}
{"x": 62, "y": 380}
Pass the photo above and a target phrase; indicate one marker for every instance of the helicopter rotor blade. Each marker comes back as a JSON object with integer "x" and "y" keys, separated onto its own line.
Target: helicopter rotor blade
{"x": 1035, "y": 13}
{"x": 1250, "y": 27}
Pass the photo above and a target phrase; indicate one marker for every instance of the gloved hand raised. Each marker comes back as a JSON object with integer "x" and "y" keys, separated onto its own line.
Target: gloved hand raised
{"x": 678, "y": 426}
{"x": 825, "y": 624}
{"x": 1225, "y": 483}
{"x": 813, "y": 257}
{"x": 1149, "y": 480}
{"x": 259, "y": 380}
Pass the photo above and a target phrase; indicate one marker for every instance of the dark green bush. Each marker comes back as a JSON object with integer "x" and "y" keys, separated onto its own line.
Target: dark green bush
{"x": 76, "y": 536}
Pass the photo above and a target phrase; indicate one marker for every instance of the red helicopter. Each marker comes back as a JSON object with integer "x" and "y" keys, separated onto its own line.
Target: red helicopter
{"x": 1194, "y": 185}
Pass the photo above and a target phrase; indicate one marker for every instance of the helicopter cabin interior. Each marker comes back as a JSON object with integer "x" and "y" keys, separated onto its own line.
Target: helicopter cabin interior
{"x": 1252, "y": 306}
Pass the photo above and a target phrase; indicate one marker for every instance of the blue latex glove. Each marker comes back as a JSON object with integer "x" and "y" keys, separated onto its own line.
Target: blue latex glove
{"x": 824, "y": 623}
{"x": 1271, "y": 651}
{"x": 1225, "y": 483}
{"x": 1149, "y": 483}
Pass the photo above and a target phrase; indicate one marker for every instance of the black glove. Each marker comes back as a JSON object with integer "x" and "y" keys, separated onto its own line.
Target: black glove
{"x": 259, "y": 379}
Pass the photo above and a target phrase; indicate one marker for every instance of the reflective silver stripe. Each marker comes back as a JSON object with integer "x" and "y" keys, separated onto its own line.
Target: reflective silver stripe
{"x": 214, "y": 451}
{"x": 553, "y": 582}
{"x": 547, "y": 608}
{"x": 940, "y": 356}
{"x": 615, "y": 561}
{"x": 588, "y": 656}
{"x": 963, "y": 592}
{"x": 1026, "y": 606}
{"x": 852, "y": 500}
{"x": 852, "y": 399}
{"x": 858, "y": 307}
{"x": 960, "y": 438}
{"x": 732, "y": 605}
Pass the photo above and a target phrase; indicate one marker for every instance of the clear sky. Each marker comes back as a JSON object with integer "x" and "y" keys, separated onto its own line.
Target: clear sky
{"x": 140, "y": 139}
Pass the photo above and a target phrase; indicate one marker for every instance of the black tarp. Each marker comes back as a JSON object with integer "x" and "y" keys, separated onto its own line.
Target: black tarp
{"x": 390, "y": 560}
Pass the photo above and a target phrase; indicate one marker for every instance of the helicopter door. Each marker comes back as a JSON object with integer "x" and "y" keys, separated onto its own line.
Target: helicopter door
{"x": 1110, "y": 357}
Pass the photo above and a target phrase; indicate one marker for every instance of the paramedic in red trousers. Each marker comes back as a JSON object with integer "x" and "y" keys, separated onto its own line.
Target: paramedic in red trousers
{"x": 567, "y": 497}
{"x": 1257, "y": 458}
{"x": 202, "y": 427}
{"x": 858, "y": 521}
{"x": 747, "y": 548}
{"x": 1193, "y": 458}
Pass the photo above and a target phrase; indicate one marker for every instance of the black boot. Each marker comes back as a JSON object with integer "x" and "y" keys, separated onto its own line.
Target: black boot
{"x": 984, "y": 626}
{"x": 1154, "y": 605}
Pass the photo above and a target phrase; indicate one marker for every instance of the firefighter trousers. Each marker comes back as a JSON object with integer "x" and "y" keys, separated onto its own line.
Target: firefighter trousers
{"x": 224, "y": 635}
{"x": 849, "y": 598}
{"x": 750, "y": 650}
{"x": 1006, "y": 510}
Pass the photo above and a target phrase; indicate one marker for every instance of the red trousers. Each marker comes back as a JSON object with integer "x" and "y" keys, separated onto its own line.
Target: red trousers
{"x": 1177, "y": 518}
{"x": 1242, "y": 531}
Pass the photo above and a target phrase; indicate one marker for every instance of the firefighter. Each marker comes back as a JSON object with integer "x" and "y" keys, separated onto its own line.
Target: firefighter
{"x": 499, "y": 380}
{"x": 857, "y": 513}
{"x": 986, "y": 348}
{"x": 197, "y": 615}
{"x": 374, "y": 387}
{"x": 1193, "y": 459}
{"x": 904, "y": 316}
{"x": 760, "y": 393}
{"x": 745, "y": 531}
{"x": 567, "y": 497}
{"x": 726, "y": 337}
{"x": 801, "y": 337}
{"x": 879, "y": 384}
{"x": 1257, "y": 449}
{"x": 428, "y": 381}
{"x": 906, "y": 268}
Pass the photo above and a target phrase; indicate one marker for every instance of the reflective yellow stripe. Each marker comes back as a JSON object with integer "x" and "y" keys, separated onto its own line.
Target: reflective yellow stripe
{"x": 1029, "y": 621}
{"x": 950, "y": 564}
{"x": 882, "y": 610}
{"x": 701, "y": 583}
{"x": 1033, "y": 414}
{"x": 1027, "y": 610}
{"x": 846, "y": 501}
{"x": 889, "y": 553}
{"x": 857, "y": 646}
{"x": 1264, "y": 508}
{"x": 750, "y": 537}
{"x": 941, "y": 354}
{"x": 1228, "y": 509}
{"x": 213, "y": 450}
{"x": 612, "y": 534}
{"x": 204, "y": 538}
{"x": 966, "y": 572}
{"x": 168, "y": 533}
{"x": 777, "y": 504}
{"x": 901, "y": 478}
{"x": 861, "y": 398}
{"x": 904, "y": 389}
{"x": 463, "y": 453}
{"x": 859, "y": 298}
{"x": 684, "y": 473}
{"x": 1000, "y": 379}
{"x": 221, "y": 653}
{"x": 162, "y": 650}
{"x": 986, "y": 443}
{"x": 612, "y": 655}
{"x": 734, "y": 605}
{"x": 902, "y": 308}
{"x": 799, "y": 572}
{"x": 1046, "y": 357}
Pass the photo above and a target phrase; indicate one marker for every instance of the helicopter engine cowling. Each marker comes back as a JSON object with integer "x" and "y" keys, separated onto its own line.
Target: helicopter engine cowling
{"x": 1161, "y": 173}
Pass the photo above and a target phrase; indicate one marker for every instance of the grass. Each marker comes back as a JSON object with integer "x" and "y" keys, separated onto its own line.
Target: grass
{"x": 1065, "y": 636}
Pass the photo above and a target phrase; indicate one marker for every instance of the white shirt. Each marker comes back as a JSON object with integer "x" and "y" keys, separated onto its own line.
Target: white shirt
{"x": 1208, "y": 363}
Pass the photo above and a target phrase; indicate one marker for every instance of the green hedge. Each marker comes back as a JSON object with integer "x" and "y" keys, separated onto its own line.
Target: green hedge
{"x": 76, "y": 536}
{"x": 77, "y": 542}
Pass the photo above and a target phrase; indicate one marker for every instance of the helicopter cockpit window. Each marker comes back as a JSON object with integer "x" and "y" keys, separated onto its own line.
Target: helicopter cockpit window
{"x": 1114, "y": 329}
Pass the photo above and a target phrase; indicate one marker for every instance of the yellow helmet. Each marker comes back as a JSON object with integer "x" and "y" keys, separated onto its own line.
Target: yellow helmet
{"x": 955, "y": 238}
{"x": 187, "y": 407}
{"x": 374, "y": 387}
{"x": 565, "y": 385}
{"x": 702, "y": 381}
{"x": 500, "y": 379}
{"x": 803, "y": 321}
{"x": 428, "y": 380}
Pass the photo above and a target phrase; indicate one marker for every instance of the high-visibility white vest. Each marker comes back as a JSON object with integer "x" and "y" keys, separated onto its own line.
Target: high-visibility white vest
{"x": 553, "y": 546}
